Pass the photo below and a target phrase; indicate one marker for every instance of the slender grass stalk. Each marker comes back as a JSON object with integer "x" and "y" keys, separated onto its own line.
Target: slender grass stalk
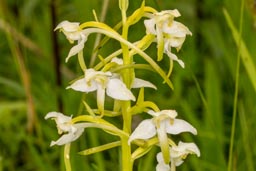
{"x": 22, "y": 69}
{"x": 199, "y": 89}
{"x": 1, "y": 163}
{"x": 98, "y": 36}
{"x": 246, "y": 137}
{"x": 246, "y": 57}
{"x": 25, "y": 77}
{"x": 233, "y": 128}
{"x": 56, "y": 54}
{"x": 21, "y": 38}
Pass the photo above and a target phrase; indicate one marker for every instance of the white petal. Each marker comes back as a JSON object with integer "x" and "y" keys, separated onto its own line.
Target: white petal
{"x": 170, "y": 113}
{"x": 163, "y": 142}
{"x": 100, "y": 98}
{"x": 117, "y": 90}
{"x": 159, "y": 157}
{"x": 64, "y": 139}
{"x": 145, "y": 130}
{"x": 138, "y": 83}
{"x": 91, "y": 74}
{"x": 67, "y": 138}
{"x": 73, "y": 36}
{"x": 174, "y": 57}
{"x": 57, "y": 115}
{"x": 68, "y": 26}
{"x": 81, "y": 85}
{"x": 169, "y": 13}
{"x": 150, "y": 26}
{"x": 59, "y": 118}
{"x": 162, "y": 167}
{"x": 178, "y": 126}
{"x": 178, "y": 162}
{"x": 62, "y": 122}
{"x": 175, "y": 42}
{"x": 187, "y": 148}
{"x": 177, "y": 29}
{"x": 77, "y": 48}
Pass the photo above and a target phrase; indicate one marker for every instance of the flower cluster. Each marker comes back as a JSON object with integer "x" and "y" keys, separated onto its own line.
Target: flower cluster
{"x": 178, "y": 154}
{"x": 169, "y": 33}
{"x": 164, "y": 122}
{"x": 65, "y": 125}
{"x": 116, "y": 77}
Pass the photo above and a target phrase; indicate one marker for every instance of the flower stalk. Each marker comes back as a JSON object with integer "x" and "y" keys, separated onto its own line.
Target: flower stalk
{"x": 126, "y": 105}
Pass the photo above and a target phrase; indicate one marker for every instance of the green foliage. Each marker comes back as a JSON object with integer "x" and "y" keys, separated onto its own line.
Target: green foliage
{"x": 203, "y": 92}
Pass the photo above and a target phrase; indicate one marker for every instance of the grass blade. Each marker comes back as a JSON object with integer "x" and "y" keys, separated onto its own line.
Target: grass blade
{"x": 245, "y": 55}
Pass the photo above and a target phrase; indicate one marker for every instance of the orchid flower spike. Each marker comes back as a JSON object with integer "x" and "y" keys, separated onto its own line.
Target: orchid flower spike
{"x": 163, "y": 122}
{"x": 102, "y": 81}
{"x": 178, "y": 154}
{"x": 64, "y": 125}
{"x": 169, "y": 33}
{"x": 73, "y": 32}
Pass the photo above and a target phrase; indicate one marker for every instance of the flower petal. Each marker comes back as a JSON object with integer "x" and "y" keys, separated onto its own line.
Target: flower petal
{"x": 174, "y": 57}
{"x": 145, "y": 130}
{"x": 175, "y": 42}
{"x": 61, "y": 120}
{"x": 162, "y": 167}
{"x": 170, "y": 113}
{"x": 68, "y": 26}
{"x": 167, "y": 14}
{"x": 178, "y": 126}
{"x": 67, "y": 138}
{"x": 177, "y": 29}
{"x": 100, "y": 98}
{"x": 117, "y": 90}
{"x": 163, "y": 142}
{"x": 64, "y": 139}
{"x": 138, "y": 83}
{"x": 59, "y": 116}
{"x": 185, "y": 148}
{"x": 77, "y": 48}
{"x": 91, "y": 74}
{"x": 81, "y": 85}
{"x": 150, "y": 26}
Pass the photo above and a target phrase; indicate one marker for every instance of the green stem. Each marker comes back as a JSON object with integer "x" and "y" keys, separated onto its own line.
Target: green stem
{"x": 127, "y": 118}
{"x": 81, "y": 60}
{"x": 126, "y": 155}
{"x": 233, "y": 128}
{"x": 67, "y": 157}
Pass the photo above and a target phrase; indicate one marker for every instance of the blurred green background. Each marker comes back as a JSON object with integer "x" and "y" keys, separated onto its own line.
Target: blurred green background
{"x": 33, "y": 78}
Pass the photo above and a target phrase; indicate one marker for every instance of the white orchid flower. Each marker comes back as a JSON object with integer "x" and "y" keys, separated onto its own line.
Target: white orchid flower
{"x": 102, "y": 82}
{"x": 169, "y": 33}
{"x": 178, "y": 154}
{"x": 137, "y": 82}
{"x": 73, "y": 33}
{"x": 64, "y": 125}
{"x": 163, "y": 122}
